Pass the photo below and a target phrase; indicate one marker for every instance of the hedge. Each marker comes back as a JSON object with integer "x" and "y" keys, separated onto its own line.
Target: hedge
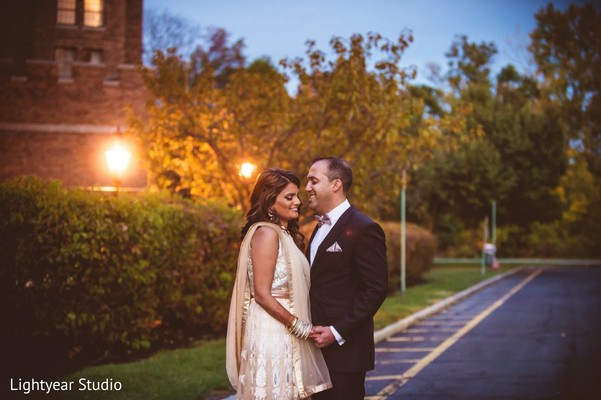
{"x": 88, "y": 276}
{"x": 420, "y": 247}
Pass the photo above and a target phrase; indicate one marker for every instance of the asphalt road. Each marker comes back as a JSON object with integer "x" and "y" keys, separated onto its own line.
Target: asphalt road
{"x": 535, "y": 334}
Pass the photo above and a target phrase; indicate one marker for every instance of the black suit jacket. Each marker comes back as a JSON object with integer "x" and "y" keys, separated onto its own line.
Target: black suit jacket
{"x": 348, "y": 287}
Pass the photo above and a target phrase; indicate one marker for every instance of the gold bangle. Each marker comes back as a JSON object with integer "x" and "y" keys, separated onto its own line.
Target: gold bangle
{"x": 292, "y": 324}
{"x": 302, "y": 330}
{"x": 297, "y": 328}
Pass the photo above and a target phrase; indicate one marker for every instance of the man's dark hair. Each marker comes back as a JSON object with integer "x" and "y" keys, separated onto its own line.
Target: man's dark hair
{"x": 338, "y": 169}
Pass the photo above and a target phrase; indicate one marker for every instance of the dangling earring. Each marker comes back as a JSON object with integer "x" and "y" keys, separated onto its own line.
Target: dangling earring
{"x": 271, "y": 216}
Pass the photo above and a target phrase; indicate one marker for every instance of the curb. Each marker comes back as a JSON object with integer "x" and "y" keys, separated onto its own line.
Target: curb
{"x": 406, "y": 322}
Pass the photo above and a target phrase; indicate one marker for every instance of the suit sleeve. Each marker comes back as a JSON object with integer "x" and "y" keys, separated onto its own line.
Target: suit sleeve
{"x": 371, "y": 268}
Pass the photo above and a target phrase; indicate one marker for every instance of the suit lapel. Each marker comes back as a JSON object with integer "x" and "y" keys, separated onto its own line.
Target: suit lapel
{"x": 336, "y": 231}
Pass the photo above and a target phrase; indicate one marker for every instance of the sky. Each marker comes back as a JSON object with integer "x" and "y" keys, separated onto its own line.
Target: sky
{"x": 280, "y": 28}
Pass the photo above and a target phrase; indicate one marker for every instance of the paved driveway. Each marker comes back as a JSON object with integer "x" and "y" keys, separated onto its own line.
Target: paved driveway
{"x": 535, "y": 334}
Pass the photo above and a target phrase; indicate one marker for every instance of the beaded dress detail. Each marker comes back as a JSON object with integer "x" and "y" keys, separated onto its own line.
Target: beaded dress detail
{"x": 266, "y": 369}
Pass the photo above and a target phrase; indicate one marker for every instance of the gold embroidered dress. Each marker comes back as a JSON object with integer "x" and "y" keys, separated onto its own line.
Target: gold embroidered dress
{"x": 264, "y": 360}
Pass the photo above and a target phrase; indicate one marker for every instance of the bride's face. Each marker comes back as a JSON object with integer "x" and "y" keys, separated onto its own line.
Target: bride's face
{"x": 287, "y": 204}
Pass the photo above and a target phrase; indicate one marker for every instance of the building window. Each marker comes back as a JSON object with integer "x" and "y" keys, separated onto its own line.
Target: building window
{"x": 64, "y": 59}
{"x": 92, "y": 13}
{"x": 93, "y": 56}
{"x": 66, "y": 12}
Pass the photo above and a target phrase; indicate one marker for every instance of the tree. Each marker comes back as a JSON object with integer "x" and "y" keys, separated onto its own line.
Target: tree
{"x": 344, "y": 108}
{"x": 462, "y": 183}
{"x": 463, "y": 178}
{"x": 567, "y": 48}
{"x": 213, "y": 112}
{"x": 163, "y": 30}
{"x": 365, "y": 115}
{"x": 197, "y": 133}
{"x": 516, "y": 154}
{"x": 529, "y": 137}
{"x": 525, "y": 133}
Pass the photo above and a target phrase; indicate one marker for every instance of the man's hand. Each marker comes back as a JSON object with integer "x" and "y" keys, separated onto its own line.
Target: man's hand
{"x": 322, "y": 336}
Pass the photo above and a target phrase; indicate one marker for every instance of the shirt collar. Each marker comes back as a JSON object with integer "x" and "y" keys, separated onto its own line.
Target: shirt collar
{"x": 337, "y": 212}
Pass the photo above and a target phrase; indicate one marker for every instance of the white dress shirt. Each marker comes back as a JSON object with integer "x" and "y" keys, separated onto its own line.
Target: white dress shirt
{"x": 323, "y": 230}
{"x": 320, "y": 235}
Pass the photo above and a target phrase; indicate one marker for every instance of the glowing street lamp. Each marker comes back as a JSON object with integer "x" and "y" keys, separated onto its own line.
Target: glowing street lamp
{"x": 247, "y": 170}
{"x": 117, "y": 159}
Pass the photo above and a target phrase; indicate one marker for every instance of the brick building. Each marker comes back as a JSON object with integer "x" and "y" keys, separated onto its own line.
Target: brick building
{"x": 67, "y": 72}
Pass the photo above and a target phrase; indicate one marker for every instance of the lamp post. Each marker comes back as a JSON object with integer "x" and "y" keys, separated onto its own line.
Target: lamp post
{"x": 403, "y": 231}
{"x": 117, "y": 158}
{"x": 246, "y": 170}
{"x": 494, "y": 222}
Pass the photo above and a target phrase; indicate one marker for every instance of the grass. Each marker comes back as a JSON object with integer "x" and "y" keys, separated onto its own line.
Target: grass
{"x": 199, "y": 372}
{"x": 190, "y": 373}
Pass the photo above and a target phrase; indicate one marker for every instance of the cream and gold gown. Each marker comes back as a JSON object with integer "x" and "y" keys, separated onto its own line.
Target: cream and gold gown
{"x": 264, "y": 360}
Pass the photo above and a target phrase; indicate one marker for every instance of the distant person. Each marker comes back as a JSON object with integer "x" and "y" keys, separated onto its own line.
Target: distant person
{"x": 349, "y": 279}
{"x": 490, "y": 250}
{"x": 269, "y": 355}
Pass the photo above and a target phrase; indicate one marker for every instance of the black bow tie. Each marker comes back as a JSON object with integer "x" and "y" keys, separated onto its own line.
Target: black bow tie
{"x": 323, "y": 219}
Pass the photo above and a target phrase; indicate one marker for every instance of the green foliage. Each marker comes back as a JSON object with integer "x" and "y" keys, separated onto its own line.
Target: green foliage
{"x": 420, "y": 251}
{"x": 470, "y": 64}
{"x": 463, "y": 144}
{"x": 517, "y": 158}
{"x": 88, "y": 275}
{"x": 462, "y": 182}
{"x": 531, "y": 142}
{"x": 567, "y": 49}
{"x": 577, "y": 233}
{"x": 455, "y": 239}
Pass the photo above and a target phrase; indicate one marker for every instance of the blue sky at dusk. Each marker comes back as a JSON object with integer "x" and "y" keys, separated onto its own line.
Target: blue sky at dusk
{"x": 280, "y": 28}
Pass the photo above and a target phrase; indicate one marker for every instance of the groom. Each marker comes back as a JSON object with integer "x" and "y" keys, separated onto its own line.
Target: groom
{"x": 349, "y": 274}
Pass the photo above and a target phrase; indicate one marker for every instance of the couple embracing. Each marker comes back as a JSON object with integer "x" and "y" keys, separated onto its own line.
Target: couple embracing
{"x": 301, "y": 325}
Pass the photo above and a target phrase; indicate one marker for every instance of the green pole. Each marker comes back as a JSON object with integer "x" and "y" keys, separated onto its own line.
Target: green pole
{"x": 494, "y": 222}
{"x": 484, "y": 240}
{"x": 403, "y": 233}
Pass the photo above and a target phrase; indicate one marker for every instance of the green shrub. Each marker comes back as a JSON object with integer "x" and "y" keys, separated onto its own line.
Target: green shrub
{"x": 87, "y": 276}
{"x": 455, "y": 239}
{"x": 420, "y": 247}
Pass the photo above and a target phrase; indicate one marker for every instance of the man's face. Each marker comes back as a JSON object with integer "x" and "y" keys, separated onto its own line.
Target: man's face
{"x": 319, "y": 188}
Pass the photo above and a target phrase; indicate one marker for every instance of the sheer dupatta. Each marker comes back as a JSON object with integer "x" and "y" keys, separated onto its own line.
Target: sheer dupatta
{"x": 310, "y": 370}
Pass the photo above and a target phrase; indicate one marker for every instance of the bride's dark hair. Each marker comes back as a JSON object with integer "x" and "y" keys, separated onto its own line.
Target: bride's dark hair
{"x": 267, "y": 188}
